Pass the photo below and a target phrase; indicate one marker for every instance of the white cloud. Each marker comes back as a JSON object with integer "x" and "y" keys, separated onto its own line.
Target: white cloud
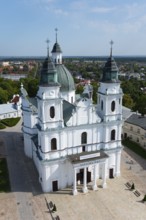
{"x": 102, "y": 9}
{"x": 60, "y": 12}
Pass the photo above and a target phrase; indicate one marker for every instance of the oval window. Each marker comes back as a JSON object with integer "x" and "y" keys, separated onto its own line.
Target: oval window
{"x": 113, "y": 106}
{"x": 52, "y": 112}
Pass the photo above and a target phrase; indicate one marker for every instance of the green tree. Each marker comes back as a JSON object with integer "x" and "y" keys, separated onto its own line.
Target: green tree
{"x": 140, "y": 105}
{"x": 3, "y": 96}
{"x": 128, "y": 101}
{"x": 79, "y": 89}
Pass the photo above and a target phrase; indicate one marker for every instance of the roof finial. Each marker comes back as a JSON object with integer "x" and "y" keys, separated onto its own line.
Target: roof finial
{"x": 47, "y": 41}
{"x": 56, "y": 29}
{"x": 111, "y": 43}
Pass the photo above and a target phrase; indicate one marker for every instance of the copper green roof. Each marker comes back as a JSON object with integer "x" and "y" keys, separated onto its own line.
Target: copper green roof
{"x": 56, "y": 48}
{"x": 65, "y": 78}
{"x": 110, "y": 71}
{"x": 48, "y": 73}
{"x": 68, "y": 109}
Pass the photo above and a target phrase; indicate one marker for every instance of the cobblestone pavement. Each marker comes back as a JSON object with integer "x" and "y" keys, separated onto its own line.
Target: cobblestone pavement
{"x": 27, "y": 202}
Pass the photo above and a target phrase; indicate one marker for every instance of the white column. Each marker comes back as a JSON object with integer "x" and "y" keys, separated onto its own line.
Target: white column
{"x": 75, "y": 192}
{"x": 85, "y": 190}
{"x": 118, "y": 162}
{"x": 94, "y": 181}
{"x": 104, "y": 175}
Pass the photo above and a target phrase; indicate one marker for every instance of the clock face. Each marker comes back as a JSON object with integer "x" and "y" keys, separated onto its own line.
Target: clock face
{"x": 51, "y": 93}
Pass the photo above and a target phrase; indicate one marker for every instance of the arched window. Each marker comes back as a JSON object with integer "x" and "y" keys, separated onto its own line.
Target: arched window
{"x": 84, "y": 138}
{"x": 52, "y": 112}
{"x": 113, "y": 134}
{"x": 53, "y": 144}
{"x": 101, "y": 104}
{"x": 113, "y": 106}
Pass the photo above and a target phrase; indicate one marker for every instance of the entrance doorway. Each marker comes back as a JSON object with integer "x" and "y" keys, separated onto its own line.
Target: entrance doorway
{"x": 88, "y": 176}
{"x": 111, "y": 173}
{"x": 80, "y": 176}
{"x": 55, "y": 185}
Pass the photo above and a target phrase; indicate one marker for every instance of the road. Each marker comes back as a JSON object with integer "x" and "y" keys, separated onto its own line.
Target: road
{"x": 25, "y": 187}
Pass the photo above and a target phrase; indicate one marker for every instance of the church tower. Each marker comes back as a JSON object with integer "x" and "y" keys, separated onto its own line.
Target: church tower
{"x": 109, "y": 92}
{"x": 50, "y": 112}
{"x": 56, "y": 52}
{"x": 110, "y": 110}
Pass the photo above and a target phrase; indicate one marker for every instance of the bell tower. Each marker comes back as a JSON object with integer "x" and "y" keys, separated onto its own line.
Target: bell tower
{"x": 56, "y": 52}
{"x": 48, "y": 97}
{"x": 109, "y": 92}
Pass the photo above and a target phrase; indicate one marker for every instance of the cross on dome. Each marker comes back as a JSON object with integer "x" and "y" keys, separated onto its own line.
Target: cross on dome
{"x": 56, "y": 29}
{"x": 48, "y": 41}
{"x": 111, "y": 43}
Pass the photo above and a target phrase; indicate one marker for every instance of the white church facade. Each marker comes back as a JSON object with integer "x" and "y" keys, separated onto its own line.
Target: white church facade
{"x": 73, "y": 141}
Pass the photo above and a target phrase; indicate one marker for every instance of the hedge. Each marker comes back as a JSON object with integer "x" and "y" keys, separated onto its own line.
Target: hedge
{"x": 10, "y": 122}
{"x": 2, "y": 126}
{"x": 134, "y": 147}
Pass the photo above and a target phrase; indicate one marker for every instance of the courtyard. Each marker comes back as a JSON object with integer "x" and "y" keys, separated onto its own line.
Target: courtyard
{"x": 26, "y": 200}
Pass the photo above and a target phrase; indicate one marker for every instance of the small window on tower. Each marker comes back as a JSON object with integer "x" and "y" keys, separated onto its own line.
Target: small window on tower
{"x": 101, "y": 104}
{"x": 72, "y": 99}
{"x": 54, "y": 144}
{"x": 52, "y": 112}
{"x": 113, "y": 134}
{"x": 113, "y": 106}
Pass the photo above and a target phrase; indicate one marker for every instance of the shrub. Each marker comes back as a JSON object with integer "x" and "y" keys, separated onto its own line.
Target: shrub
{"x": 134, "y": 147}
{"x": 2, "y": 126}
{"x": 10, "y": 122}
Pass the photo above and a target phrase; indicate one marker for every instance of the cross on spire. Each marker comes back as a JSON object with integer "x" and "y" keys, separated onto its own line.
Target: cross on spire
{"x": 48, "y": 41}
{"x": 111, "y": 43}
{"x": 56, "y": 29}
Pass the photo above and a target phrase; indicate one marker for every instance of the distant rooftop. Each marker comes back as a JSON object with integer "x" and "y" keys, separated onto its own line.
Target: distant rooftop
{"x": 138, "y": 120}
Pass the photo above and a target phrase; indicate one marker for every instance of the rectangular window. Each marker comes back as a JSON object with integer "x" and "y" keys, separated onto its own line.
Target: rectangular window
{"x": 131, "y": 128}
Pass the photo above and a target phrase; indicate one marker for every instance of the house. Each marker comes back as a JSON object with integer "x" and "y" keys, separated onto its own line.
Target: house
{"x": 135, "y": 129}
{"x": 11, "y": 110}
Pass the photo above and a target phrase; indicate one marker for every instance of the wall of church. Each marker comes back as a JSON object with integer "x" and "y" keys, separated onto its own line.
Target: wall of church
{"x": 60, "y": 171}
{"x": 68, "y": 96}
{"x": 27, "y": 145}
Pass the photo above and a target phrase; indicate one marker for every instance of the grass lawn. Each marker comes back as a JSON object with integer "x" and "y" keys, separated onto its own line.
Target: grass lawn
{"x": 135, "y": 147}
{"x": 4, "y": 176}
{"x": 8, "y": 122}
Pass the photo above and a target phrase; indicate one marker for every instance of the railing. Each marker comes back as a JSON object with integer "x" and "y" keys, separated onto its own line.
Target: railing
{"x": 78, "y": 149}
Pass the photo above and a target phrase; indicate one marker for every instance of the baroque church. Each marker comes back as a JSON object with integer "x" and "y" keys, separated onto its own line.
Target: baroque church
{"x": 71, "y": 140}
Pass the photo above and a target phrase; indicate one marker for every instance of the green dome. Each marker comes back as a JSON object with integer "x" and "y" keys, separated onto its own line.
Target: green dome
{"x": 110, "y": 71}
{"x": 54, "y": 75}
{"x": 65, "y": 78}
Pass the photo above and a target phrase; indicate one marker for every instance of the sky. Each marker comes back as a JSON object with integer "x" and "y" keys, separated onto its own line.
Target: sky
{"x": 85, "y": 27}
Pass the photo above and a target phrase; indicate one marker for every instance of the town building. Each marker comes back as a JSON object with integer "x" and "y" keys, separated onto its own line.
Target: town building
{"x": 12, "y": 109}
{"x": 134, "y": 128}
{"x": 73, "y": 141}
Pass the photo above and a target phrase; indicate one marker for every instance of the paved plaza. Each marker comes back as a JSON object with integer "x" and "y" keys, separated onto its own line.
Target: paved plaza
{"x": 27, "y": 202}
